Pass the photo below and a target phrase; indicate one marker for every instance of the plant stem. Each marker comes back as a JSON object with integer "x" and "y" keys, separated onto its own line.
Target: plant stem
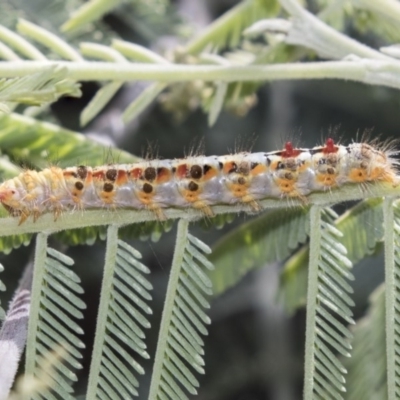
{"x": 38, "y": 273}
{"x": 181, "y": 240}
{"x": 98, "y": 70}
{"x": 106, "y": 289}
{"x": 97, "y": 217}
{"x": 388, "y": 215}
{"x": 312, "y": 291}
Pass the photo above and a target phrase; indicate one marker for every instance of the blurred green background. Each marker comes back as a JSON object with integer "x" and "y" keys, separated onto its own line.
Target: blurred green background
{"x": 254, "y": 351}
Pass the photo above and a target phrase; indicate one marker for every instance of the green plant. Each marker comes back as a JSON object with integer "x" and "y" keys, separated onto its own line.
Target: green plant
{"x": 220, "y": 68}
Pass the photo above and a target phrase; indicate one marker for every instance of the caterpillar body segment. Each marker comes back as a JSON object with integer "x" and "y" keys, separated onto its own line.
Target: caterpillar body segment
{"x": 198, "y": 182}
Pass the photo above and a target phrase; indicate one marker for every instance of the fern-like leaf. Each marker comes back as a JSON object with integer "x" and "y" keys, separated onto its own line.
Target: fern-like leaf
{"x": 37, "y": 89}
{"x": 89, "y": 12}
{"x": 367, "y": 366}
{"x": 227, "y": 30}
{"x": 328, "y": 309}
{"x": 46, "y": 142}
{"x": 119, "y": 324}
{"x": 392, "y": 281}
{"x": 362, "y": 233}
{"x": 179, "y": 348}
{"x": 270, "y": 237}
{"x": 52, "y": 327}
{"x": 152, "y": 230}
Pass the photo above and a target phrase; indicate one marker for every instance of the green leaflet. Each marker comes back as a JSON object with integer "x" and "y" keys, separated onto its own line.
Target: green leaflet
{"x": 141, "y": 102}
{"x": 180, "y": 345}
{"x": 328, "y": 309}
{"x": 146, "y": 230}
{"x": 37, "y": 89}
{"x": 120, "y": 323}
{"x": 367, "y": 366}
{"x": 269, "y": 237}
{"x": 391, "y": 213}
{"x": 53, "y": 347}
{"x": 362, "y": 231}
{"x": 41, "y": 143}
{"x": 227, "y": 30}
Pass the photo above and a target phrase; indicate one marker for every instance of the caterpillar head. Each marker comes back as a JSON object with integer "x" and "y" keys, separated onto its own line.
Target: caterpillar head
{"x": 10, "y": 197}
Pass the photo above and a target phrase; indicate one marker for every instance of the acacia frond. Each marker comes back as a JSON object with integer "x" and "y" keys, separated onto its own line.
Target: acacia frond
{"x": 227, "y": 30}
{"x": 119, "y": 324}
{"x": 48, "y": 143}
{"x": 328, "y": 309}
{"x": 52, "y": 332}
{"x": 391, "y": 212}
{"x": 93, "y": 10}
{"x": 367, "y": 366}
{"x": 362, "y": 233}
{"x": 36, "y": 89}
{"x": 268, "y": 238}
{"x": 180, "y": 346}
{"x": 152, "y": 230}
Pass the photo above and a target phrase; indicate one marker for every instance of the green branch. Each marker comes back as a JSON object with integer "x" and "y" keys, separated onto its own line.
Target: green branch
{"x": 367, "y": 71}
{"x": 79, "y": 219}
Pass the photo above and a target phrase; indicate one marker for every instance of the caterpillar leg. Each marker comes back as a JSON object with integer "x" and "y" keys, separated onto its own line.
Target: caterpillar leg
{"x": 158, "y": 212}
{"x": 204, "y": 208}
{"x": 23, "y": 217}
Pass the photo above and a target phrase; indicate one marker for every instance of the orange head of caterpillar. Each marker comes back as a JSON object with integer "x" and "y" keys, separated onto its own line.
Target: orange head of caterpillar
{"x": 10, "y": 196}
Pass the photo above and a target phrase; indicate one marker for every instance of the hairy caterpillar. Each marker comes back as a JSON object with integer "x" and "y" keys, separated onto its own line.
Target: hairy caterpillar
{"x": 198, "y": 182}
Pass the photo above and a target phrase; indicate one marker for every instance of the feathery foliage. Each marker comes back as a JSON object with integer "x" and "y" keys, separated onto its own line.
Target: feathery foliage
{"x": 180, "y": 346}
{"x": 119, "y": 323}
{"x": 392, "y": 280}
{"x": 93, "y": 10}
{"x": 362, "y": 231}
{"x": 367, "y": 366}
{"x": 38, "y": 89}
{"x": 227, "y": 30}
{"x": 218, "y": 68}
{"x": 328, "y": 308}
{"x": 267, "y": 238}
{"x": 39, "y": 143}
{"x": 52, "y": 332}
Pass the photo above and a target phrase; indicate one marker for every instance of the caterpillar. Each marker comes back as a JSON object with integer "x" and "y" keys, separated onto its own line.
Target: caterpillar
{"x": 198, "y": 181}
